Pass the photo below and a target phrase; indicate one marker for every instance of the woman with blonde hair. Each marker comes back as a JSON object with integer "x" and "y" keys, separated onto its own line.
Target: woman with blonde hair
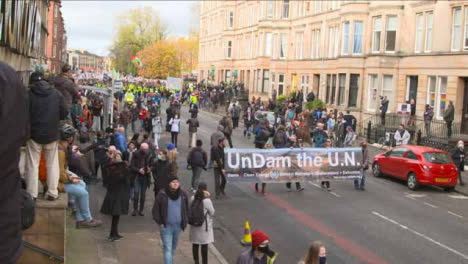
{"x": 316, "y": 254}
{"x": 172, "y": 157}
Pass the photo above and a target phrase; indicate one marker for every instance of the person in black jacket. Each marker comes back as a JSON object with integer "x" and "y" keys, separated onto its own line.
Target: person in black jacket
{"x": 162, "y": 169}
{"x": 46, "y": 109}
{"x": 117, "y": 182}
{"x": 197, "y": 159}
{"x": 170, "y": 212}
{"x": 217, "y": 158}
{"x": 383, "y": 108}
{"x": 13, "y": 129}
{"x": 458, "y": 157}
{"x": 141, "y": 167}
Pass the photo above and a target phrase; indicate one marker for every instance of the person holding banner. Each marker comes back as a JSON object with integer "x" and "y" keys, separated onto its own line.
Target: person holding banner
{"x": 326, "y": 184}
{"x": 217, "y": 158}
{"x": 364, "y": 167}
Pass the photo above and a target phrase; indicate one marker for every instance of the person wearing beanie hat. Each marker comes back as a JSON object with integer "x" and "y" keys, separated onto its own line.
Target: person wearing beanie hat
{"x": 260, "y": 251}
{"x": 170, "y": 212}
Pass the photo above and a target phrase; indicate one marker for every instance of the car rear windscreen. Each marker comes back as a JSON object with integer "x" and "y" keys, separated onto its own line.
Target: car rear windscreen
{"x": 437, "y": 157}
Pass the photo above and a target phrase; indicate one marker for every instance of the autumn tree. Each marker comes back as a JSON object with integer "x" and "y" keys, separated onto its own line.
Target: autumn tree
{"x": 136, "y": 29}
{"x": 160, "y": 60}
{"x": 188, "y": 51}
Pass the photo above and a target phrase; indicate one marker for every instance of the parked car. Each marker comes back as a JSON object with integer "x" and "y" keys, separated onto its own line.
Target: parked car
{"x": 417, "y": 165}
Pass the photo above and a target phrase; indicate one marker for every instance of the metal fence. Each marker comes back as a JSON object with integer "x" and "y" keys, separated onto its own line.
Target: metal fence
{"x": 435, "y": 134}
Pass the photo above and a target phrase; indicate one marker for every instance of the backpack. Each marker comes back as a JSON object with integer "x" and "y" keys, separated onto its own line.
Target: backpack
{"x": 235, "y": 112}
{"x": 197, "y": 216}
{"x": 27, "y": 210}
{"x": 278, "y": 139}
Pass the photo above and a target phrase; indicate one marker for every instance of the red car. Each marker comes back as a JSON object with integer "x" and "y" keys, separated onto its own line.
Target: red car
{"x": 417, "y": 165}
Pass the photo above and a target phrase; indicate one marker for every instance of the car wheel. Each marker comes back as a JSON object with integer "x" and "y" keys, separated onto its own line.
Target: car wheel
{"x": 412, "y": 182}
{"x": 376, "y": 170}
{"x": 449, "y": 189}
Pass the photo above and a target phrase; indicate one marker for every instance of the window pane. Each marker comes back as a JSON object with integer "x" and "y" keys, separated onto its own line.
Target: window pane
{"x": 428, "y": 41}
{"x": 387, "y": 89}
{"x": 353, "y": 90}
{"x": 327, "y": 95}
{"x": 341, "y": 89}
{"x": 391, "y": 33}
{"x": 337, "y": 41}
{"x": 331, "y": 36}
{"x": 285, "y": 8}
{"x": 419, "y": 31}
{"x": 283, "y": 46}
{"x": 317, "y": 46}
{"x": 333, "y": 89}
{"x": 456, "y": 24}
{"x": 357, "y": 39}
{"x": 442, "y": 96}
{"x": 345, "y": 41}
{"x": 270, "y": 8}
{"x": 376, "y": 34}
{"x": 431, "y": 91}
{"x": 267, "y": 44}
{"x": 266, "y": 75}
{"x": 372, "y": 95}
{"x": 465, "y": 42}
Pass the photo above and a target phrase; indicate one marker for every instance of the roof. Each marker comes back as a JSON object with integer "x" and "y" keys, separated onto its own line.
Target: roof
{"x": 421, "y": 149}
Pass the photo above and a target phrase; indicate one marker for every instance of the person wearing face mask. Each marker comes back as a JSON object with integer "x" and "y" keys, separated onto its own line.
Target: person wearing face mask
{"x": 458, "y": 157}
{"x": 260, "y": 253}
{"x": 141, "y": 167}
{"x": 316, "y": 254}
{"x": 162, "y": 170}
{"x": 170, "y": 212}
{"x": 364, "y": 167}
{"x": 117, "y": 182}
{"x": 175, "y": 128}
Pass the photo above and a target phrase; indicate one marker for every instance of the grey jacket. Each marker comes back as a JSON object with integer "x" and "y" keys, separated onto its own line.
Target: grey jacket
{"x": 198, "y": 234}
{"x": 216, "y": 136}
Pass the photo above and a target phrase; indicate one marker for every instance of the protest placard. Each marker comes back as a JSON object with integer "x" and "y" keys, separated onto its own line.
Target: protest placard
{"x": 288, "y": 165}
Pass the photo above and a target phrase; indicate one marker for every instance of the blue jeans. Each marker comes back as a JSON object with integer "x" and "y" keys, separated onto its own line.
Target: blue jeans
{"x": 363, "y": 180}
{"x": 170, "y": 237}
{"x": 141, "y": 184}
{"x": 81, "y": 196}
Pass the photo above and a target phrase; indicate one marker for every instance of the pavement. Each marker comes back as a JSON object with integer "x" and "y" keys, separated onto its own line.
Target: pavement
{"x": 387, "y": 223}
{"x": 141, "y": 243}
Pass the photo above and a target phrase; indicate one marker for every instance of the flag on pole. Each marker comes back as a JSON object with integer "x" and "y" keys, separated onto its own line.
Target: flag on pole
{"x": 136, "y": 60}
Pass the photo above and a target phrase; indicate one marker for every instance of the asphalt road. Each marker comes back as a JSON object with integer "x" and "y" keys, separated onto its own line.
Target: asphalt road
{"x": 387, "y": 223}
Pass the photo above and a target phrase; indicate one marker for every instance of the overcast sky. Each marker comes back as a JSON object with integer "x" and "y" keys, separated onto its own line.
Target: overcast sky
{"x": 90, "y": 25}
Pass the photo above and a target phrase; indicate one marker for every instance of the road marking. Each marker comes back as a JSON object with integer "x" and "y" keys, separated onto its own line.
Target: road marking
{"x": 457, "y": 215}
{"x": 318, "y": 186}
{"x": 458, "y": 196}
{"x": 217, "y": 254}
{"x": 363, "y": 254}
{"x": 414, "y": 195}
{"x": 421, "y": 235}
{"x": 431, "y": 205}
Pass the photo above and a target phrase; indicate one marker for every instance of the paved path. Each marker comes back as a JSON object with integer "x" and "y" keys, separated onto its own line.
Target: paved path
{"x": 142, "y": 242}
